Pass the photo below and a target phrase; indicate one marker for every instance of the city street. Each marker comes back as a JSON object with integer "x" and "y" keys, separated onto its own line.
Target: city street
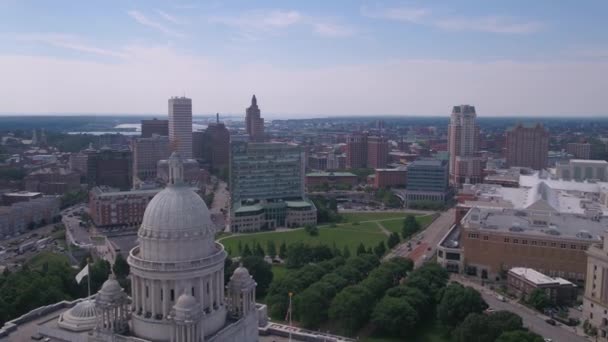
{"x": 533, "y": 320}
{"x": 429, "y": 238}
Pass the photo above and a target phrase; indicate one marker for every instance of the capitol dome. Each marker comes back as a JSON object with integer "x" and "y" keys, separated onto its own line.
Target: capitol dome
{"x": 177, "y": 224}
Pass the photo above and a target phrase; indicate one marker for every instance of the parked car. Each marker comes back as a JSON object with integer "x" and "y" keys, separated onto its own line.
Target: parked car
{"x": 551, "y": 321}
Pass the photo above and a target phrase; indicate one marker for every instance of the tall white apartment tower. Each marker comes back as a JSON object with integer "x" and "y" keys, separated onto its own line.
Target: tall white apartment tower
{"x": 463, "y": 139}
{"x": 180, "y": 126}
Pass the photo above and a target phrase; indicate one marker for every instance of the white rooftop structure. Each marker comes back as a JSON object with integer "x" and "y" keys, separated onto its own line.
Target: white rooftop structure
{"x": 538, "y": 191}
{"x": 537, "y": 278}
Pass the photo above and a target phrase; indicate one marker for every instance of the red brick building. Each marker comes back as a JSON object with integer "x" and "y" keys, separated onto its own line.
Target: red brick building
{"x": 377, "y": 152}
{"x": 385, "y": 178}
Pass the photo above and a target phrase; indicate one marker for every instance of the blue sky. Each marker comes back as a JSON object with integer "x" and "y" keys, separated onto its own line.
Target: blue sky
{"x": 305, "y": 58}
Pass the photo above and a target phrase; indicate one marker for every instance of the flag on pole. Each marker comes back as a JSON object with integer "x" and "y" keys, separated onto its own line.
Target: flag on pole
{"x": 83, "y": 273}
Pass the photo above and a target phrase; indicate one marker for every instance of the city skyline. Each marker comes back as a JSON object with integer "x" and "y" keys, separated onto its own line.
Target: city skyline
{"x": 346, "y": 58}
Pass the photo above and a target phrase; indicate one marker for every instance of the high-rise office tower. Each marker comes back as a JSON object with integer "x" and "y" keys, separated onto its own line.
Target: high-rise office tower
{"x": 267, "y": 187}
{"x": 154, "y": 126}
{"x": 356, "y": 151}
{"x": 253, "y": 121}
{"x": 111, "y": 167}
{"x": 527, "y": 146}
{"x": 377, "y": 152}
{"x": 146, "y": 154}
{"x": 216, "y": 145}
{"x": 463, "y": 140}
{"x": 180, "y": 126}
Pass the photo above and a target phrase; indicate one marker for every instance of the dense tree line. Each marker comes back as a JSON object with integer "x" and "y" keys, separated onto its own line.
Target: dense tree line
{"x": 406, "y": 305}
{"x": 353, "y": 306}
{"x": 311, "y": 306}
{"x": 298, "y": 280}
{"x": 327, "y": 209}
{"x": 52, "y": 281}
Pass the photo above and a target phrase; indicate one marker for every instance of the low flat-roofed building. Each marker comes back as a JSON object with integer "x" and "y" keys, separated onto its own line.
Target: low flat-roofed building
{"x": 267, "y": 215}
{"x": 386, "y": 178}
{"x": 16, "y": 218}
{"x": 583, "y": 170}
{"x": 52, "y": 181}
{"x": 331, "y": 178}
{"x": 9, "y": 198}
{"x": 495, "y": 240}
{"x": 521, "y": 281}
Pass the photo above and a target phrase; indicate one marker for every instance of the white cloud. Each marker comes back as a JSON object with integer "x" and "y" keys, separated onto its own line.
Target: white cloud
{"x": 332, "y": 30}
{"x": 264, "y": 21}
{"x": 407, "y": 14}
{"x": 141, "y": 83}
{"x": 146, "y": 21}
{"x": 424, "y": 16}
{"x": 490, "y": 24}
{"x": 254, "y": 25}
{"x": 66, "y": 41}
{"x": 168, "y": 17}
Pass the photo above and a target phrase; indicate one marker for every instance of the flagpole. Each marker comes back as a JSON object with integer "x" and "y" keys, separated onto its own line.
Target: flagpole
{"x": 89, "y": 277}
{"x": 290, "y": 326}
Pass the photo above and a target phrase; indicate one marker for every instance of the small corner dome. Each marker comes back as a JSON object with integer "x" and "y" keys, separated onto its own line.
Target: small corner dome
{"x": 240, "y": 274}
{"x": 111, "y": 289}
{"x": 186, "y": 302}
{"x": 84, "y": 309}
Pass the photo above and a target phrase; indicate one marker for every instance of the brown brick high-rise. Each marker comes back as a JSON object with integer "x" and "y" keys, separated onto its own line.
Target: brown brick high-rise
{"x": 527, "y": 146}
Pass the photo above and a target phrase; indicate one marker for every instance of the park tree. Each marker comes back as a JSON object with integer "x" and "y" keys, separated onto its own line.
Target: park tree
{"x": 283, "y": 250}
{"x": 395, "y": 317}
{"x": 380, "y": 249}
{"x": 258, "y": 250}
{"x": 410, "y": 226}
{"x": 345, "y": 252}
{"x": 121, "y": 267}
{"x": 240, "y": 247}
{"x": 519, "y": 336}
{"x": 393, "y": 240}
{"x": 246, "y": 251}
{"x": 271, "y": 248}
{"x": 539, "y": 299}
{"x": 311, "y": 229}
{"x": 360, "y": 249}
{"x": 430, "y": 279}
{"x": 457, "y": 302}
{"x": 261, "y": 271}
{"x": 346, "y": 308}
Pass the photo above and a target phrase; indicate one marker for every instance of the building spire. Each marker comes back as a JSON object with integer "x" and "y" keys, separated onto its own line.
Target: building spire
{"x": 217, "y": 118}
{"x": 254, "y": 101}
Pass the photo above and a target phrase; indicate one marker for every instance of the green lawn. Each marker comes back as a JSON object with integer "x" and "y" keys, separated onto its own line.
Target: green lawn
{"x": 397, "y": 225}
{"x": 344, "y": 234}
{"x": 39, "y": 259}
{"x": 372, "y": 216}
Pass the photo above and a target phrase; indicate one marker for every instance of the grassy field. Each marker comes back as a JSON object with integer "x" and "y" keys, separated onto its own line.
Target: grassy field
{"x": 397, "y": 225}
{"x": 343, "y": 235}
{"x": 359, "y": 228}
{"x": 372, "y": 216}
{"x": 39, "y": 259}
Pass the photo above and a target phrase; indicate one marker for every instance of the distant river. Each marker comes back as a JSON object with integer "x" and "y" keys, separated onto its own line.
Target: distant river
{"x": 131, "y": 129}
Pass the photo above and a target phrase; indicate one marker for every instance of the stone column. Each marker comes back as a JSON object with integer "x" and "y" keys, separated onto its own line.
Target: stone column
{"x": 166, "y": 298}
{"x": 153, "y": 296}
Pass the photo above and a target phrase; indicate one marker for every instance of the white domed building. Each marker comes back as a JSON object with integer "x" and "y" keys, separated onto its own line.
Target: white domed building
{"x": 177, "y": 286}
{"x": 177, "y": 274}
